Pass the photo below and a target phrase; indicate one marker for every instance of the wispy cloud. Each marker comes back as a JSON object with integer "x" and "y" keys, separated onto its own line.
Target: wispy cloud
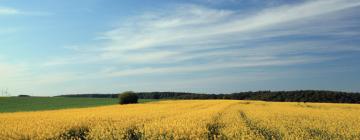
{"x": 195, "y": 33}
{"x": 9, "y": 11}
{"x": 9, "y": 30}
{"x": 198, "y": 24}
{"x": 261, "y": 62}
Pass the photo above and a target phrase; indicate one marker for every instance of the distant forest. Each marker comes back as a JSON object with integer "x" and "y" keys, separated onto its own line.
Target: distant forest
{"x": 278, "y": 96}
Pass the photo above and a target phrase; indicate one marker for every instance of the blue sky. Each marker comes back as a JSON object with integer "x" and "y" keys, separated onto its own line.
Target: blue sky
{"x": 215, "y": 46}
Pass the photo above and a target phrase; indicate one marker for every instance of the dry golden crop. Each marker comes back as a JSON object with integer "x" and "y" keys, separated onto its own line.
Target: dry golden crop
{"x": 195, "y": 119}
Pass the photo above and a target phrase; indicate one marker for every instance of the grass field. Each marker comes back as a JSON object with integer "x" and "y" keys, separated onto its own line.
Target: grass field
{"x": 195, "y": 119}
{"x": 15, "y": 104}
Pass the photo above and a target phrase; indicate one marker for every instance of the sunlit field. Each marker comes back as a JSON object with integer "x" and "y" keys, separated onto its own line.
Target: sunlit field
{"x": 18, "y": 104}
{"x": 189, "y": 119}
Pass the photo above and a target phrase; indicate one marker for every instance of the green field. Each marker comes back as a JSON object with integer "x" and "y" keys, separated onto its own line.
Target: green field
{"x": 16, "y": 104}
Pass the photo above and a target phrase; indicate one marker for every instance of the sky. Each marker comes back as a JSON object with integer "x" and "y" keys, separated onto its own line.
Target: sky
{"x": 52, "y": 47}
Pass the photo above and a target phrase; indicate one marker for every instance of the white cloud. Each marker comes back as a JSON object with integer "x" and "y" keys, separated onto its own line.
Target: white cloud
{"x": 9, "y": 30}
{"x": 259, "y": 62}
{"x": 191, "y": 32}
{"x": 13, "y": 11}
{"x": 9, "y": 11}
{"x": 73, "y": 47}
{"x": 203, "y": 24}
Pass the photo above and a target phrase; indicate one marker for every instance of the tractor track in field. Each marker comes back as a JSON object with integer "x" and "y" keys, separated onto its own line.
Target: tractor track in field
{"x": 255, "y": 127}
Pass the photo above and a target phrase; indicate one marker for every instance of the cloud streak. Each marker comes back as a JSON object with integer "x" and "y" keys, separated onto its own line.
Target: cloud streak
{"x": 9, "y": 11}
{"x": 199, "y": 24}
{"x": 195, "y": 34}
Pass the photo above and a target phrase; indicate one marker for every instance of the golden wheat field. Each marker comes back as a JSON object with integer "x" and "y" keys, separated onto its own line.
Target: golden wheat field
{"x": 195, "y": 119}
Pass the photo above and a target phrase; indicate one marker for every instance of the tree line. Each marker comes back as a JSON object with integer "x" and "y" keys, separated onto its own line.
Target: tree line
{"x": 279, "y": 96}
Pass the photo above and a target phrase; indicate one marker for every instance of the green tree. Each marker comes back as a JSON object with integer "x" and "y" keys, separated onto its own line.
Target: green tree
{"x": 128, "y": 97}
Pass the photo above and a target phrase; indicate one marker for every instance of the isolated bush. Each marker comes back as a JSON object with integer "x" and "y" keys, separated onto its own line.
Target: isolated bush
{"x": 24, "y": 96}
{"x": 128, "y": 97}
